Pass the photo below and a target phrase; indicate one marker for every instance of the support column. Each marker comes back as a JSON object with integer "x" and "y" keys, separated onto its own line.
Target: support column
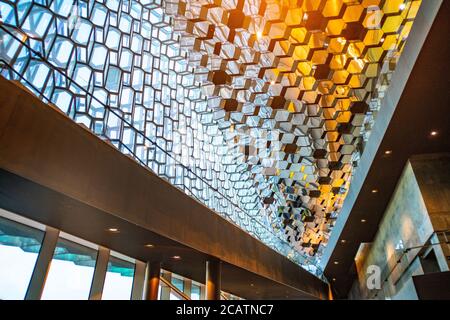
{"x": 40, "y": 271}
{"x": 98, "y": 281}
{"x": 213, "y": 275}
{"x": 153, "y": 274}
{"x": 137, "y": 292}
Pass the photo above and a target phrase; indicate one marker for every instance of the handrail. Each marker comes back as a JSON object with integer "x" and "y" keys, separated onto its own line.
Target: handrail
{"x": 181, "y": 293}
{"x": 137, "y": 132}
{"x": 177, "y": 291}
{"x": 404, "y": 252}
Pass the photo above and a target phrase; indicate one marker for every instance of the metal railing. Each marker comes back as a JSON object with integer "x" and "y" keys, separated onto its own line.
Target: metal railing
{"x": 177, "y": 291}
{"x": 399, "y": 261}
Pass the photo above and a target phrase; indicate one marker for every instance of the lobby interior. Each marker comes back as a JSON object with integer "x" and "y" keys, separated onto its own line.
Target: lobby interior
{"x": 224, "y": 150}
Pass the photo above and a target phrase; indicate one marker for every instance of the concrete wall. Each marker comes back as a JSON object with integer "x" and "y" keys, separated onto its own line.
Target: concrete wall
{"x": 432, "y": 172}
{"x": 419, "y": 206}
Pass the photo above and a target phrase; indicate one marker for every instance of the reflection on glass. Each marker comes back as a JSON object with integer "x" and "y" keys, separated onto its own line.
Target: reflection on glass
{"x": 174, "y": 296}
{"x": 19, "y": 249}
{"x": 179, "y": 284}
{"x": 71, "y": 272}
{"x": 195, "y": 292}
{"x": 119, "y": 280}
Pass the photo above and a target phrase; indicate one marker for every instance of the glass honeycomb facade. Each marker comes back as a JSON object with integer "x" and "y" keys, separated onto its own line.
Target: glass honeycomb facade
{"x": 258, "y": 109}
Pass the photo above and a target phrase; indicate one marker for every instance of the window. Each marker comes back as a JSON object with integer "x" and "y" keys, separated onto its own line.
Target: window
{"x": 119, "y": 279}
{"x": 19, "y": 249}
{"x": 179, "y": 284}
{"x": 195, "y": 292}
{"x": 71, "y": 272}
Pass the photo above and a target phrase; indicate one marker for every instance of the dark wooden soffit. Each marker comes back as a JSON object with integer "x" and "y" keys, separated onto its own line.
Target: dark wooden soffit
{"x": 59, "y": 173}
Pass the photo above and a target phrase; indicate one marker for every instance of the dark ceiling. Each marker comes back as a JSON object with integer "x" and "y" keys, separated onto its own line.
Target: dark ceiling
{"x": 91, "y": 224}
{"x": 423, "y": 107}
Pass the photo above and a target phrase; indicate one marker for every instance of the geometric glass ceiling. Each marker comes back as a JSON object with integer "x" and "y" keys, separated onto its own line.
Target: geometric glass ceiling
{"x": 259, "y": 109}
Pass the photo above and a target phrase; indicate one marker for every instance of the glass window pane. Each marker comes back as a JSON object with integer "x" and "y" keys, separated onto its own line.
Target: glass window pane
{"x": 179, "y": 284}
{"x": 119, "y": 280}
{"x": 195, "y": 292}
{"x": 174, "y": 296}
{"x": 71, "y": 272}
{"x": 19, "y": 249}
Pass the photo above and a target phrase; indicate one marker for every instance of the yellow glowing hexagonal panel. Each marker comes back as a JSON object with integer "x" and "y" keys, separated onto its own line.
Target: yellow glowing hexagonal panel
{"x": 311, "y": 71}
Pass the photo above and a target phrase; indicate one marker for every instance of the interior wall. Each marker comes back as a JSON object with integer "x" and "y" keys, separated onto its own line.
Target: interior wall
{"x": 419, "y": 206}
{"x": 432, "y": 172}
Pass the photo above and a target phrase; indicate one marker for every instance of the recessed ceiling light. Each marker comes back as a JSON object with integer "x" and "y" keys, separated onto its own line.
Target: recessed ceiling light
{"x": 382, "y": 40}
{"x": 402, "y": 7}
{"x": 336, "y": 262}
{"x": 374, "y": 190}
{"x": 434, "y": 133}
{"x": 305, "y": 16}
{"x": 176, "y": 257}
{"x": 388, "y": 152}
{"x": 113, "y": 230}
{"x": 363, "y": 220}
{"x": 149, "y": 245}
{"x": 334, "y": 279}
{"x": 343, "y": 241}
{"x": 251, "y": 284}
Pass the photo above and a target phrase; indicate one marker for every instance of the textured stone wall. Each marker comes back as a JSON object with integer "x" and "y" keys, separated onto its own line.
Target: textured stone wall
{"x": 433, "y": 176}
{"x": 420, "y": 205}
{"x": 432, "y": 172}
